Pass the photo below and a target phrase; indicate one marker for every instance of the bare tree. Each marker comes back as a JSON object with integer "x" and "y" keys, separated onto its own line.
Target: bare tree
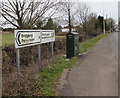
{"x": 110, "y": 23}
{"x": 92, "y": 23}
{"x": 25, "y": 14}
{"x": 82, "y": 15}
{"x": 67, "y": 13}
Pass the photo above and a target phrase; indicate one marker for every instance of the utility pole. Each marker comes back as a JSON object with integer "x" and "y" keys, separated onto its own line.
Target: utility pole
{"x": 69, "y": 16}
{"x": 103, "y": 25}
{"x": 103, "y": 20}
{"x": 110, "y": 23}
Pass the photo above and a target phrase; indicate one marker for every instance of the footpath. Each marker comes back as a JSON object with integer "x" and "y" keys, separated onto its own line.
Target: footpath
{"x": 98, "y": 74}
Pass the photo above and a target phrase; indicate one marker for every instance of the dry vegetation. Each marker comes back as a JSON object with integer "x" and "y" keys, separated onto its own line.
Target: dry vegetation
{"x": 27, "y": 82}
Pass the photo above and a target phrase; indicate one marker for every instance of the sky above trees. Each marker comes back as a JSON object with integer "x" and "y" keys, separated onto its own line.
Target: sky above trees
{"x": 110, "y": 7}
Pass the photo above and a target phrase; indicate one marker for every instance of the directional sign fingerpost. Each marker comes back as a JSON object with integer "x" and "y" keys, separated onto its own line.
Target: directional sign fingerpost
{"x": 24, "y": 38}
{"x": 27, "y": 38}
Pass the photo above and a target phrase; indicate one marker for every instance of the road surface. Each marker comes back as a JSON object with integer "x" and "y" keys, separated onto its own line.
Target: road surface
{"x": 98, "y": 74}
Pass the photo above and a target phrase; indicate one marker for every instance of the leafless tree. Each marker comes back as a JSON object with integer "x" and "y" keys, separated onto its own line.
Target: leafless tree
{"x": 25, "y": 14}
{"x": 82, "y": 15}
{"x": 110, "y": 22}
{"x": 67, "y": 13}
{"x": 91, "y": 25}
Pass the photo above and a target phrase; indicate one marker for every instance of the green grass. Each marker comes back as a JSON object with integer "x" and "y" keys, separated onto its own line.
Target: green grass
{"x": 60, "y": 36}
{"x": 52, "y": 73}
{"x": 7, "y": 39}
{"x": 84, "y": 47}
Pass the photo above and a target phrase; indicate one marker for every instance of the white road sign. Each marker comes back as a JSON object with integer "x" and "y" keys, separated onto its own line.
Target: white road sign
{"x": 24, "y": 38}
{"x": 47, "y": 36}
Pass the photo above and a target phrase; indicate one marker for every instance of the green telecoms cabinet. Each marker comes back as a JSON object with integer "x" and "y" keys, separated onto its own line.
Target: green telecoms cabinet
{"x": 72, "y": 45}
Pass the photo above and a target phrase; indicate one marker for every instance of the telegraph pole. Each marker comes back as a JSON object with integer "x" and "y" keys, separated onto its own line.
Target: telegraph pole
{"x": 69, "y": 16}
{"x": 103, "y": 20}
{"x": 103, "y": 25}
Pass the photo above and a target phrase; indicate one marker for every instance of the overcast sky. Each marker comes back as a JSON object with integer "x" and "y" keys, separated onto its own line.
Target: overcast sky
{"x": 110, "y": 7}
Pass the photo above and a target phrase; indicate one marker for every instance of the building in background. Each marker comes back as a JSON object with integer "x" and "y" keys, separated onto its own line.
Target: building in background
{"x": 66, "y": 29}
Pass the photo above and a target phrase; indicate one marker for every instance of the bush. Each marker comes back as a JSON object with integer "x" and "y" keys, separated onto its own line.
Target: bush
{"x": 8, "y": 29}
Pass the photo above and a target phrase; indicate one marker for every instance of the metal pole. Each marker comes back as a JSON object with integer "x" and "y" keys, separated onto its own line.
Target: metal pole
{"x": 18, "y": 60}
{"x": 52, "y": 49}
{"x": 39, "y": 57}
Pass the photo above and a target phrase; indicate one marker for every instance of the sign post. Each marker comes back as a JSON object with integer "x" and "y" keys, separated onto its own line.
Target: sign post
{"x": 25, "y": 38}
{"x": 39, "y": 57}
{"x": 18, "y": 60}
{"x": 52, "y": 49}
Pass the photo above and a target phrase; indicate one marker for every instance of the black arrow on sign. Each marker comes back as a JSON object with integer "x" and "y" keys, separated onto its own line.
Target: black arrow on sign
{"x": 19, "y": 39}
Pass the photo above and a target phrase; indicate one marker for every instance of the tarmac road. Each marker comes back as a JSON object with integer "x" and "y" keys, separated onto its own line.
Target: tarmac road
{"x": 98, "y": 74}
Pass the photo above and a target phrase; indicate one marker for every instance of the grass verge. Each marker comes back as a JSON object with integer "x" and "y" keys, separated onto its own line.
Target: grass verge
{"x": 52, "y": 73}
{"x": 85, "y": 46}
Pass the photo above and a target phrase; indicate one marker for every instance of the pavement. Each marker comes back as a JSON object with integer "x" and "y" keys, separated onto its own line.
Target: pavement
{"x": 97, "y": 75}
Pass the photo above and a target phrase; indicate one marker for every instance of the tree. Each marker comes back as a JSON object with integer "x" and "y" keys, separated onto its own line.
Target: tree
{"x": 49, "y": 25}
{"x": 52, "y": 25}
{"x": 25, "y": 14}
{"x": 100, "y": 23}
{"x": 59, "y": 29}
{"x": 1, "y": 28}
{"x": 92, "y": 25}
{"x": 39, "y": 24}
{"x": 67, "y": 13}
{"x": 110, "y": 24}
{"x": 82, "y": 15}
